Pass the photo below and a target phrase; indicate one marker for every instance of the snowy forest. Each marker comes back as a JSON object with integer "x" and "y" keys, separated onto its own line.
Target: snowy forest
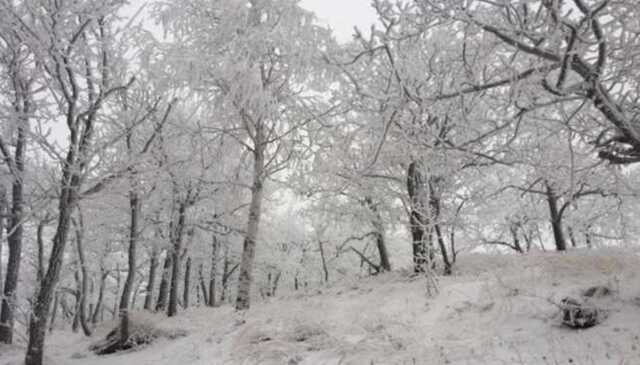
{"x": 226, "y": 182}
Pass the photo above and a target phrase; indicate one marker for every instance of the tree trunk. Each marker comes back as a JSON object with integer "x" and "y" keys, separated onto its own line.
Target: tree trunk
{"x": 134, "y": 214}
{"x": 14, "y": 239}
{"x": 98, "y": 309}
{"x": 555, "y": 219}
{"x": 378, "y": 226}
{"x": 419, "y": 218}
{"x": 187, "y": 283}
{"x": 212, "y": 275}
{"x": 203, "y": 286}
{"x": 163, "y": 291}
{"x": 176, "y": 238}
{"x": 153, "y": 264}
{"x": 325, "y": 270}
{"x": 84, "y": 282}
{"x": 3, "y": 213}
{"x": 40, "y": 313}
{"x": 245, "y": 278}
{"x": 54, "y": 312}
{"x": 116, "y": 302}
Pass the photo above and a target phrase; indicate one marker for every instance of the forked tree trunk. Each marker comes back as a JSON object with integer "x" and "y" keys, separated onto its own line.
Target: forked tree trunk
{"x": 245, "y": 279}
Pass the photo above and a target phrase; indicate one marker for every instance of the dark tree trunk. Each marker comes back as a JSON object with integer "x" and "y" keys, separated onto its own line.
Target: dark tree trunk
{"x": 14, "y": 239}
{"x": 163, "y": 291}
{"x": 555, "y": 219}
{"x": 153, "y": 264}
{"x": 3, "y": 213}
{"x": 212, "y": 275}
{"x": 187, "y": 283}
{"x": 54, "y": 311}
{"x": 40, "y": 242}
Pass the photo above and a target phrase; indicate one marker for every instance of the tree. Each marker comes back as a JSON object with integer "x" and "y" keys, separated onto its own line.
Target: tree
{"x": 17, "y": 83}
{"x": 60, "y": 40}
{"x": 261, "y": 92}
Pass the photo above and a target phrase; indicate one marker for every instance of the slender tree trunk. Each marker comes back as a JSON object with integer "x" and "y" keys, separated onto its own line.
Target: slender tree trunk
{"x": 163, "y": 291}
{"x": 325, "y": 270}
{"x": 245, "y": 278}
{"x": 555, "y": 219}
{"x": 14, "y": 238}
{"x": 203, "y": 286}
{"x": 40, "y": 242}
{"x": 98, "y": 309}
{"x": 84, "y": 282}
{"x": 212, "y": 275}
{"x": 54, "y": 312}
{"x": 3, "y": 213}
{"x": 134, "y": 213}
{"x": 187, "y": 284}
{"x": 116, "y": 301}
{"x": 378, "y": 226}
{"x": 225, "y": 275}
{"x": 153, "y": 264}
{"x": 177, "y": 233}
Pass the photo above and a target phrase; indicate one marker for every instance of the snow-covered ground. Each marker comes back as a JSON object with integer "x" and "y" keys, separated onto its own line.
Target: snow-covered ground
{"x": 495, "y": 310}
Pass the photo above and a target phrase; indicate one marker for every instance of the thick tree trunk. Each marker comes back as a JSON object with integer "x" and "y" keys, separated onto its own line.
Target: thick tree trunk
{"x": 555, "y": 219}
{"x": 212, "y": 275}
{"x": 419, "y": 218}
{"x": 14, "y": 239}
{"x": 163, "y": 291}
{"x": 153, "y": 264}
{"x": 245, "y": 279}
{"x": 187, "y": 284}
{"x": 134, "y": 214}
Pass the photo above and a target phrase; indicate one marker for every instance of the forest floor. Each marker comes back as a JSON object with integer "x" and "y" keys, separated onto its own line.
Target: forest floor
{"x": 494, "y": 310}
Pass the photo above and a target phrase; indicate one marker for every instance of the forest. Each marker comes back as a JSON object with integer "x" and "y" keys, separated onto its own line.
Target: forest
{"x": 168, "y": 156}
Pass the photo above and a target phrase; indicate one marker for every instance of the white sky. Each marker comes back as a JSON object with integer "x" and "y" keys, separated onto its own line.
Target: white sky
{"x": 343, "y": 15}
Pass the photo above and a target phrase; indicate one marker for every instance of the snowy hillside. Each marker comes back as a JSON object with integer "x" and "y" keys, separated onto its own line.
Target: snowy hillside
{"x": 495, "y": 310}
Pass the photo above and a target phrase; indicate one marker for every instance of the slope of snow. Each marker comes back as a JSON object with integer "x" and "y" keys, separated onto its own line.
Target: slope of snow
{"x": 496, "y": 310}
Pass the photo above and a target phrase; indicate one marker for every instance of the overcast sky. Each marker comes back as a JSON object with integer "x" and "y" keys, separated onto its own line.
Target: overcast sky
{"x": 343, "y": 15}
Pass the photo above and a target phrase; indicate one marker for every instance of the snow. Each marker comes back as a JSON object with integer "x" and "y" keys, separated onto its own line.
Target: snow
{"x": 495, "y": 310}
